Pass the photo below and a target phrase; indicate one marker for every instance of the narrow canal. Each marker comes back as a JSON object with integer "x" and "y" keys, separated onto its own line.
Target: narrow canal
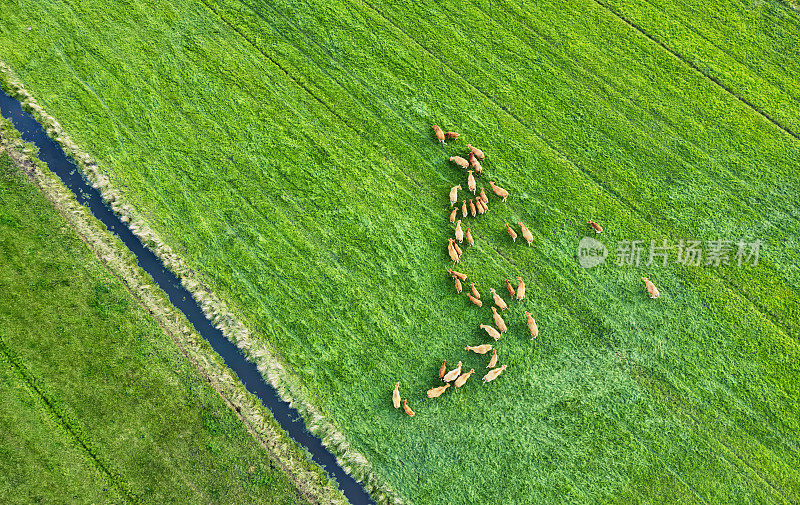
{"x": 289, "y": 419}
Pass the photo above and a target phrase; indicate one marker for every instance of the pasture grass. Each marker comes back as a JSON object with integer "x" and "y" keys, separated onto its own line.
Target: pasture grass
{"x": 98, "y": 406}
{"x": 285, "y": 151}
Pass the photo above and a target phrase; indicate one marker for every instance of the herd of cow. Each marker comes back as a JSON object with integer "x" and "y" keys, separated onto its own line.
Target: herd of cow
{"x": 478, "y": 205}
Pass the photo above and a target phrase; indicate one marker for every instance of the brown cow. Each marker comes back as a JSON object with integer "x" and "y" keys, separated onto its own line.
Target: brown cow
{"x": 498, "y": 321}
{"x": 396, "y": 396}
{"x": 454, "y": 194}
{"x": 477, "y": 152}
{"x": 476, "y": 165}
{"x": 597, "y": 227}
{"x": 478, "y": 349}
{"x": 464, "y": 210}
{"x": 408, "y": 409}
{"x": 458, "y": 249}
{"x": 532, "y": 325}
{"x": 458, "y": 284}
{"x": 498, "y": 301}
{"x": 511, "y": 232}
{"x": 436, "y": 392}
{"x": 511, "y": 292}
{"x": 480, "y": 205}
{"x": 451, "y": 135}
{"x": 475, "y": 300}
{"x": 492, "y": 375}
{"x": 471, "y": 182}
{"x": 651, "y": 288}
{"x": 472, "y": 208}
{"x": 475, "y": 292}
{"x": 526, "y": 233}
{"x": 453, "y": 374}
{"x": 439, "y": 133}
{"x": 459, "y": 232}
{"x": 468, "y": 236}
{"x": 453, "y": 215}
{"x": 443, "y": 369}
{"x": 483, "y": 196}
{"x": 463, "y": 379}
{"x": 461, "y": 276}
{"x": 520, "y": 289}
{"x": 461, "y": 162}
{"x": 493, "y": 361}
{"x": 491, "y": 331}
{"x": 502, "y": 193}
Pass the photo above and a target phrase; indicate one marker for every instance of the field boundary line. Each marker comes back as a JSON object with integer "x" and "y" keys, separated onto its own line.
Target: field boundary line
{"x": 62, "y": 420}
{"x": 312, "y": 482}
{"x": 695, "y": 67}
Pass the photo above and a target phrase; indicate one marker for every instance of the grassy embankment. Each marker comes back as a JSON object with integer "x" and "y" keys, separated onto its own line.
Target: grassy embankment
{"x": 98, "y": 404}
{"x": 285, "y": 153}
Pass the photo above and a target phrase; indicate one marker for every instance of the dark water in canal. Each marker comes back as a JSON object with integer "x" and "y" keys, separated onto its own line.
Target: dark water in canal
{"x": 289, "y": 419}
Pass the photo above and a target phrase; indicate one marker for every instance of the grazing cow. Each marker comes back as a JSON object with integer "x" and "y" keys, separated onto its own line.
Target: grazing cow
{"x": 474, "y": 300}
{"x": 459, "y": 232}
{"x": 458, "y": 249}
{"x": 478, "y": 349}
{"x": 511, "y": 292}
{"x": 443, "y": 369}
{"x": 471, "y": 182}
{"x": 511, "y": 232}
{"x": 491, "y": 331}
{"x": 480, "y": 205}
{"x": 502, "y": 193}
{"x": 408, "y": 409}
{"x": 484, "y": 198}
{"x": 492, "y": 375}
{"x": 461, "y": 276}
{"x": 468, "y": 236}
{"x": 472, "y": 208}
{"x": 436, "y": 392}
{"x": 461, "y": 162}
{"x": 451, "y": 135}
{"x": 520, "y": 289}
{"x": 464, "y": 210}
{"x": 458, "y": 284}
{"x": 439, "y": 133}
{"x": 453, "y": 374}
{"x": 454, "y": 194}
{"x": 396, "y": 396}
{"x": 475, "y": 292}
{"x": 532, "y": 325}
{"x": 493, "y": 361}
{"x": 453, "y": 215}
{"x": 526, "y": 233}
{"x": 597, "y": 227}
{"x": 474, "y": 150}
{"x": 451, "y": 251}
{"x": 463, "y": 379}
{"x": 476, "y": 165}
{"x": 498, "y": 301}
{"x": 651, "y": 288}
{"x": 498, "y": 321}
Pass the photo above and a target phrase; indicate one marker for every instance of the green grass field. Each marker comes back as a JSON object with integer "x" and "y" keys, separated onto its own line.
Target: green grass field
{"x": 98, "y": 406}
{"x": 284, "y": 151}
